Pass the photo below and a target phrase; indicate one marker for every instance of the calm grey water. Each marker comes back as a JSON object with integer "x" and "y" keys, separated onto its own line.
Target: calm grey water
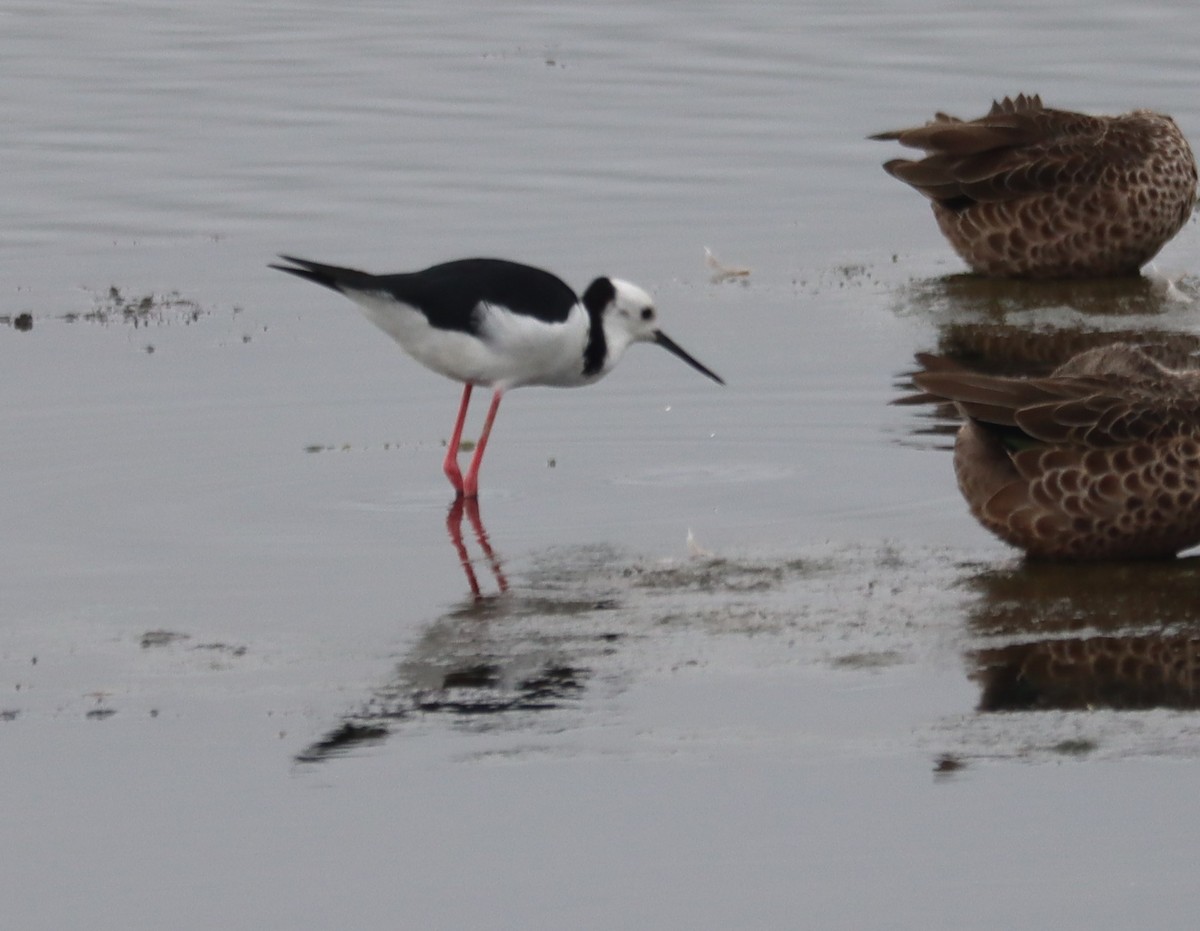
{"x": 245, "y": 683}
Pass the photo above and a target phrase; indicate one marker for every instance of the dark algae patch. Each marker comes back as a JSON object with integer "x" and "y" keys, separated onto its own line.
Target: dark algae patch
{"x": 116, "y": 307}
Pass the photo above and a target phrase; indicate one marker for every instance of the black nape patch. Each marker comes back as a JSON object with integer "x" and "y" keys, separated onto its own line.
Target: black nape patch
{"x": 599, "y": 294}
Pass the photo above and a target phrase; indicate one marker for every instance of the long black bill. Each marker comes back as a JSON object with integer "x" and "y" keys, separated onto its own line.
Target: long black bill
{"x": 673, "y": 347}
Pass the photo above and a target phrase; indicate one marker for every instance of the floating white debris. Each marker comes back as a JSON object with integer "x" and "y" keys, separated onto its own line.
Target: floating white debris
{"x": 695, "y": 550}
{"x": 721, "y": 272}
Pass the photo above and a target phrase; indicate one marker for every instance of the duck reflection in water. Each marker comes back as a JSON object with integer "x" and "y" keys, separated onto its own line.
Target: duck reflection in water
{"x": 1122, "y": 636}
{"x": 1120, "y": 672}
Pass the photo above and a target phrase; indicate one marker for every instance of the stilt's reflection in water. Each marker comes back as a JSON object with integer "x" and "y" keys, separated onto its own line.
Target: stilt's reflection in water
{"x": 470, "y": 507}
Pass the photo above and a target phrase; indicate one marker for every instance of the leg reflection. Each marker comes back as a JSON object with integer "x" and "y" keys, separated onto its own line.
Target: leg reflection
{"x": 470, "y": 506}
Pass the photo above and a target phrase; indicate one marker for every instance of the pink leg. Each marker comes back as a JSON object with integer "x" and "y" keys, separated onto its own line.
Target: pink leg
{"x": 450, "y": 464}
{"x": 470, "y": 486}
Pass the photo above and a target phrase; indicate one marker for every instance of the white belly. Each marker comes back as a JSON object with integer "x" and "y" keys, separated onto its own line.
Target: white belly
{"x": 509, "y": 350}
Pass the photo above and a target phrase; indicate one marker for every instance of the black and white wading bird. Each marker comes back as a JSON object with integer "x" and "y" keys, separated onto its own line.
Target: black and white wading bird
{"x": 499, "y": 325}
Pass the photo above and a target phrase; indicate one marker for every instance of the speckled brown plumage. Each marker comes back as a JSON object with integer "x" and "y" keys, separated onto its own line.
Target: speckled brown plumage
{"x": 1099, "y": 460}
{"x": 1030, "y": 192}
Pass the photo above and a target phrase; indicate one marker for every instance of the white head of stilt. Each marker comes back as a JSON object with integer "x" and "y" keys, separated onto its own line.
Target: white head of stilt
{"x": 626, "y": 315}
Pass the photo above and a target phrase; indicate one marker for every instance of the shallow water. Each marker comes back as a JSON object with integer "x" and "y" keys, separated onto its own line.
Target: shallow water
{"x": 728, "y": 656}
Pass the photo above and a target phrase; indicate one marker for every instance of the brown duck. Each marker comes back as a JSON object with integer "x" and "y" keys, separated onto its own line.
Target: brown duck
{"x": 1098, "y": 460}
{"x": 1030, "y": 192}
